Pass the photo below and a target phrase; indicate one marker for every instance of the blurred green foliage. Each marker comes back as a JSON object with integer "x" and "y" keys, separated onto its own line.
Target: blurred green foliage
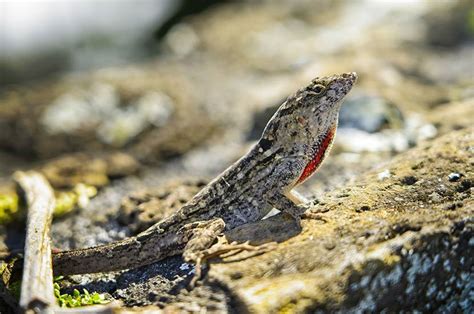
{"x": 9, "y": 209}
{"x": 470, "y": 22}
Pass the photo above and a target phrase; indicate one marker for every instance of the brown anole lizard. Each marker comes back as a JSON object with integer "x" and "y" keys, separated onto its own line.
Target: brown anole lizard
{"x": 293, "y": 145}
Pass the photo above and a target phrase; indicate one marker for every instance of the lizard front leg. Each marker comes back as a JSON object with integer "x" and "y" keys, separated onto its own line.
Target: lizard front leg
{"x": 301, "y": 201}
{"x": 286, "y": 203}
{"x": 283, "y": 203}
{"x": 280, "y": 194}
{"x": 297, "y": 198}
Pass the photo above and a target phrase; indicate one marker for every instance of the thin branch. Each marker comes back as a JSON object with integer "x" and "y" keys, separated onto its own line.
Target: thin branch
{"x": 37, "y": 291}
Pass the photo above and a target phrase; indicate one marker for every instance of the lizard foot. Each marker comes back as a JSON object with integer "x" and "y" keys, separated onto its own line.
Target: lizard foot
{"x": 313, "y": 215}
{"x": 223, "y": 249}
{"x": 312, "y": 212}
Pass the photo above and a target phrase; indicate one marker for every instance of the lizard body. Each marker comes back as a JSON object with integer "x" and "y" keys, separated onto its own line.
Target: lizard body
{"x": 293, "y": 145}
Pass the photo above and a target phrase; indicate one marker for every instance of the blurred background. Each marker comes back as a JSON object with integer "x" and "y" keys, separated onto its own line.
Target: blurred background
{"x": 185, "y": 87}
{"x": 158, "y": 79}
{"x": 192, "y": 83}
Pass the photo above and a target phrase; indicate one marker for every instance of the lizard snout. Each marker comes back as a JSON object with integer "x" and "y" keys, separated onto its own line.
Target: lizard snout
{"x": 341, "y": 85}
{"x": 351, "y": 76}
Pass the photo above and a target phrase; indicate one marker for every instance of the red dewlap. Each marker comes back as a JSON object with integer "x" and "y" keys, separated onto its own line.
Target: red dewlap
{"x": 318, "y": 157}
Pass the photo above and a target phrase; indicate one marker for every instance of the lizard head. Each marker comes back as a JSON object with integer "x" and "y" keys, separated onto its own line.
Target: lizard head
{"x": 324, "y": 93}
{"x": 312, "y": 111}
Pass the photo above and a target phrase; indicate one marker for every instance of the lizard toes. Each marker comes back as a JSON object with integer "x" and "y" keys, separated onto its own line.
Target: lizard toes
{"x": 313, "y": 215}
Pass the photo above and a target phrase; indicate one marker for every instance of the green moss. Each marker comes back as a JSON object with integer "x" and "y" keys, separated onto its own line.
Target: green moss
{"x": 78, "y": 197}
{"x": 15, "y": 289}
{"x": 77, "y": 299}
{"x": 3, "y": 266}
{"x": 9, "y": 209}
{"x": 65, "y": 203}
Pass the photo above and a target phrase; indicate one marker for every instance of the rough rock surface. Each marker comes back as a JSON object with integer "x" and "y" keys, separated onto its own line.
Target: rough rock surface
{"x": 396, "y": 243}
{"x": 69, "y": 170}
{"x": 142, "y": 209}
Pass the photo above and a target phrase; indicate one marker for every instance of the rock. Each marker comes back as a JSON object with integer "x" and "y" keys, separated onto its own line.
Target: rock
{"x": 70, "y": 170}
{"x": 435, "y": 197}
{"x": 409, "y": 180}
{"x": 416, "y": 255}
{"x": 67, "y": 171}
{"x": 449, "y": 23}
{"x": 411, "y": 130}
{"x": 370, "y": 114}
{"x": 454, "y": 176}
{"x": 358, "y": 141}
{"x": 363, "y": 208}
{"x": 465, "y": 185}
{"x": 121, "y": 165}
{"x": 144, "y": 208}
{"x": 139, "y": 111}
{"x": 384, "y": 175}
{"x": 451, "y": 206}
{"x": 453, "y": 116}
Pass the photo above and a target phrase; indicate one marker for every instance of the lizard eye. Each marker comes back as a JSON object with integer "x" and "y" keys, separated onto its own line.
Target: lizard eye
{"x": 318, "y": 88}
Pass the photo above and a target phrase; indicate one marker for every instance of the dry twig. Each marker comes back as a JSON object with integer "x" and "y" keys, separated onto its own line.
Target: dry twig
{"x": 37, "y": 293}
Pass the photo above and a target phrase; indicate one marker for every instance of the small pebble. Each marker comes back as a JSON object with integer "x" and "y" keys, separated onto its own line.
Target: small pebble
{"x": 329, "y": 245}
{"x": 384, "y": 175}
{"x": 184, "y": 266}
{"x": 427, "y": 131}
{"x": 454, "y": 176}
{"x": 465, "y": 185}
{"x": 450, "y": 207}
{"x": 409, "y": 180}
{"x": 363, "y": 208}
{"x": 435, "y": 197}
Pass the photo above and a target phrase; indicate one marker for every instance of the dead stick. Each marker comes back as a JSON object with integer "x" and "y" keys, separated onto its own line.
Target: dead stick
{"x": 37, "y": 293}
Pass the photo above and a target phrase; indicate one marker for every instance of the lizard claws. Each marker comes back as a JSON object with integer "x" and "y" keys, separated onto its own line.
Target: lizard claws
{"x": 310, "y": 204}
{"x": 311, "y": 215}
{"x": 225, "y": 250}
{"x": 312, "y": 212}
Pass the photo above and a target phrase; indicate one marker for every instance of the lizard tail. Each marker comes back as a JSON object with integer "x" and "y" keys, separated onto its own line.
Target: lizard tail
{"x": 133, "y": 252}
{"x": 104, "y": 258}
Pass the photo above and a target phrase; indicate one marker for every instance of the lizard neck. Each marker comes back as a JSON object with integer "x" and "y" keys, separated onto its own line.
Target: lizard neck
{"x": 319, "y": 153}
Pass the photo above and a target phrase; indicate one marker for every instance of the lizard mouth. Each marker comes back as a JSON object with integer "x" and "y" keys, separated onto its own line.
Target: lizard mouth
{"x": 341, "y": 85}
{"x": 350, "y": 76}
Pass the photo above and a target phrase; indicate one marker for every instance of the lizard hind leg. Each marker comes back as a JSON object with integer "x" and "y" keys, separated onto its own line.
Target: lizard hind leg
{"x": 203, "y": 235}
{"x": 201, "y": 245}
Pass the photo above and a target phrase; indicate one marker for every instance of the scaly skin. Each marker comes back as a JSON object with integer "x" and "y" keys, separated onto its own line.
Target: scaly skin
{"x": 293, "y": 145}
